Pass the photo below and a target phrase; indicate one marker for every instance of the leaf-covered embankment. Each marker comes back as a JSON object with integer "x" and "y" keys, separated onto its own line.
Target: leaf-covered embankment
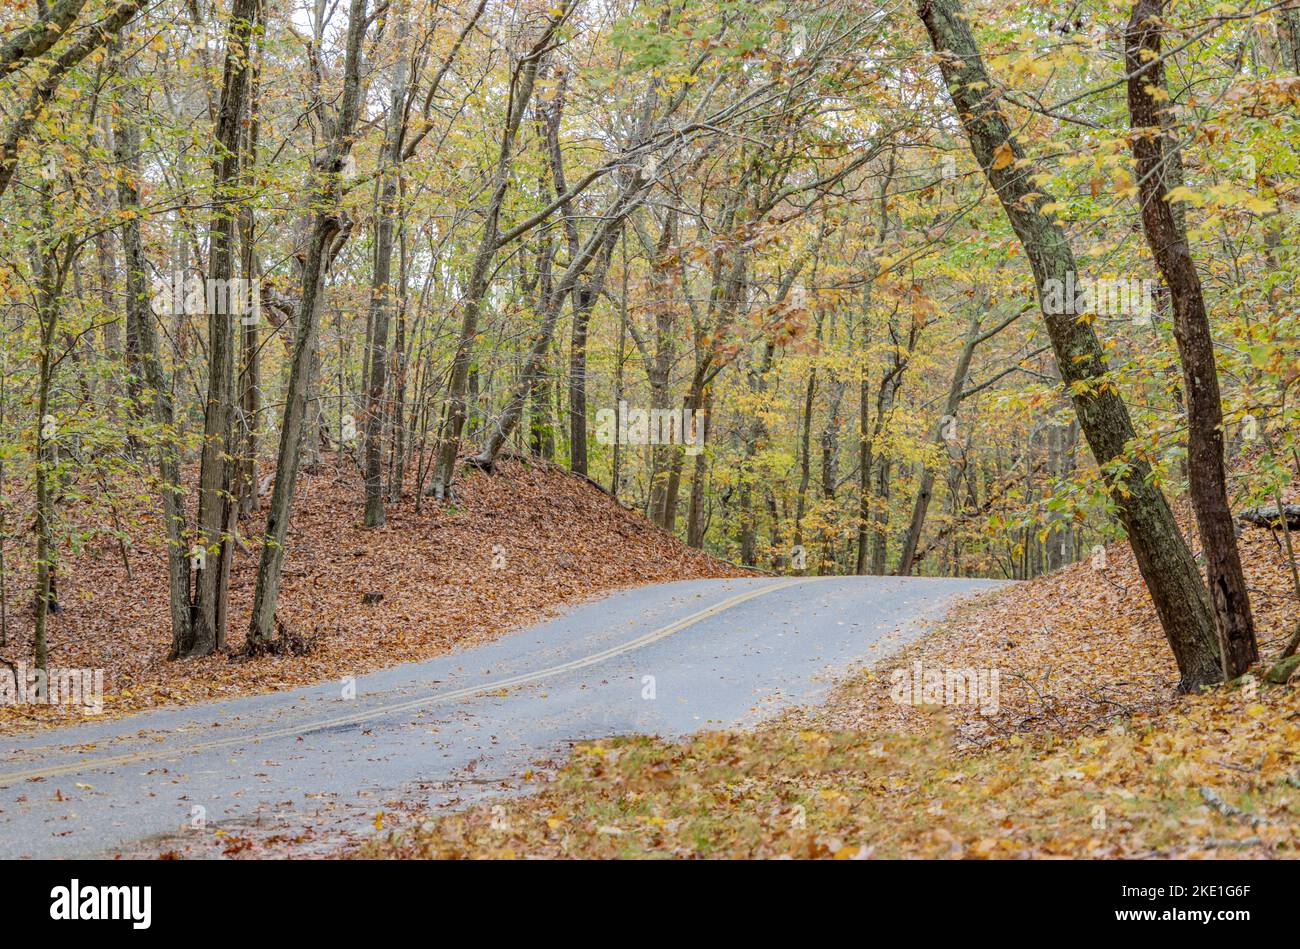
{"x": 513, "y": 545}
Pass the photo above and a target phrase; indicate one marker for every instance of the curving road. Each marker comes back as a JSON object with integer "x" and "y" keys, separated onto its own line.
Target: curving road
{"x": 667, "y": 659}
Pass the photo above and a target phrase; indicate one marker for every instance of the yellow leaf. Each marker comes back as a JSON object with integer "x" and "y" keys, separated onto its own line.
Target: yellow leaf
{"x": 1003, "y": 156}
{"x": 1184, "y": 193}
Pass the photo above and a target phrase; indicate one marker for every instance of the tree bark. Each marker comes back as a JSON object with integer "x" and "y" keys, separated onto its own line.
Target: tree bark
{"x": 1155, "y": 152}
{"x": 146, "y": 380}
{"x": 1161, "y": 552}
{"x": 381, "y": 299}
{"x": 327, "y": 225}
{"x": 250, "y": 374}
{"x": 207, "y": 632}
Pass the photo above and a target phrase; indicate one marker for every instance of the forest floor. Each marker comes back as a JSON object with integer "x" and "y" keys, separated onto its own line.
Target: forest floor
{"x": 514, "y": 546}
{"x": 1088, "y": 752}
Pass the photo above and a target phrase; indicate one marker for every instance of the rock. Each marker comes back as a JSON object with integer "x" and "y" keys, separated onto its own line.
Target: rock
{"x": 1282, "y": 671}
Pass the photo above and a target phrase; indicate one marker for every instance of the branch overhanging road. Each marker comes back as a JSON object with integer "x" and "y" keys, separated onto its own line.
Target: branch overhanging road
{"x": 667, "y": 659}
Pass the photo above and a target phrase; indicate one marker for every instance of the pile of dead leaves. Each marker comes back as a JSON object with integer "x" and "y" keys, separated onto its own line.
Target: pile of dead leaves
{"x": 1216, "y": 777}
{"x": 1075, "y": 651}
{"x": 514, "y": 545}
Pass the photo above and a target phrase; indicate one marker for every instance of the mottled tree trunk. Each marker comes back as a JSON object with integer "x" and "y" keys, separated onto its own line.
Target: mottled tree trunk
{"x": 1155, "y": 150}
{"x": 1161, "y": 552}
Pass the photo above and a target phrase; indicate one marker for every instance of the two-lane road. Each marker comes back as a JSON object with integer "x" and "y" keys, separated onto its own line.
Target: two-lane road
{"x": 667, "y": 659}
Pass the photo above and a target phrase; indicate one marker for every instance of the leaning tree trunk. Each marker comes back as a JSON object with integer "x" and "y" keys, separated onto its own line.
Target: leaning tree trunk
{"x": 326, "y": 226}
{"x": 1155, "y": 153}
{"x": 1161, "y": 552}
{"x": 455, "y": 406}
{"x": 612, "y": 219}
{"x": 956, "y": 392}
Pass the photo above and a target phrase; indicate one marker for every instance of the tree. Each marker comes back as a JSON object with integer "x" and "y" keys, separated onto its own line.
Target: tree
{"x": 381, "y": 301}
{"x": 1162, "y": 555}
{"x": 1156, "y": 152}
{"x": 206, "y": 632}
{"x": 327, "y": 225}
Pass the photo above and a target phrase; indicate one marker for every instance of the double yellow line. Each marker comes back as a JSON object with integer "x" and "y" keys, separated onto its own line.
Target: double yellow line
{"x": 354, "y": 718}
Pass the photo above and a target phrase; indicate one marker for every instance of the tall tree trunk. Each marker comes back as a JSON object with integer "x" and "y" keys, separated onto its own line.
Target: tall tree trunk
{"x": 659, "y": 363}
{"x": 695, "y": 519}
{"x": 1161, "y": 552}
{"x": 865, "y": 467}
{"x": 144, "y": 365}
{"x": 207, "y": 633}
{"x": 52, "y": 262}
{"x": 616, "y": 472}
{"x": 1060, "y": 541}
{"x": 1155, "y": 150}
{"x": 884, "y": 463}
{"x": 584, "y": 301}
{"x": 805, "y": 457}
{"x": 755, "y": 436}
{"x": 327, "y": 225}
{"x": 830, "y": 446}
{"x": 250, "y": 373}
{"x": 381, "y": 298}
{"x": 397, "y": 470}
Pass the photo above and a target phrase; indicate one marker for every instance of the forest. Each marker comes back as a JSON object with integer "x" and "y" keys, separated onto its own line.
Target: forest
{"x": 913, "y": 288}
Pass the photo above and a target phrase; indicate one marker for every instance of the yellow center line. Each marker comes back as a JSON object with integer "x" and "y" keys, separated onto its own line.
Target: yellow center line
{"x": 157, "y": 754}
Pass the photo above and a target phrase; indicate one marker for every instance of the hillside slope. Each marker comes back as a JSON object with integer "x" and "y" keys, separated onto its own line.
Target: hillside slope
{"x": 515, "y": 544}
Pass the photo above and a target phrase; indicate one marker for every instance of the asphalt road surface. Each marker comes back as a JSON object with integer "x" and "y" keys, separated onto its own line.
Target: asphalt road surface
{"x": 667, "y": 659}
